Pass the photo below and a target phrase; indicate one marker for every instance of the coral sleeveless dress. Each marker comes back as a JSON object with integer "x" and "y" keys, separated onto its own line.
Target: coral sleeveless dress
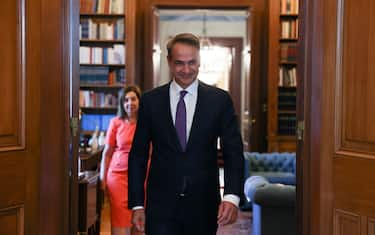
{"x": 120, "y": 136}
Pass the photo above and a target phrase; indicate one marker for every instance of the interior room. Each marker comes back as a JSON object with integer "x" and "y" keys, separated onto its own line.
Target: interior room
{"x": 299, "y": 77}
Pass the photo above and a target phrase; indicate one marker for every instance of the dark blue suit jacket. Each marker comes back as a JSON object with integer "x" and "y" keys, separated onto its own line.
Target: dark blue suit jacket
{"x": 194, "y": 172}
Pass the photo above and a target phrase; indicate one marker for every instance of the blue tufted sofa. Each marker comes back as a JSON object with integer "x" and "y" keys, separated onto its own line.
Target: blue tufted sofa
{"x": 274, "y": 209}
{"x": 275, "y": 167}
{"x": 270, "y": 192}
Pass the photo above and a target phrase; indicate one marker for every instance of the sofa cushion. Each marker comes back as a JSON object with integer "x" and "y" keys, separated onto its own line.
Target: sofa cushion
{"x": 275, "y": 167}
{"x": 284, "y": 162}
{"x": 277, "y": 177}
{"x": 275, "y": 195}
{"x": 274, "y": 210}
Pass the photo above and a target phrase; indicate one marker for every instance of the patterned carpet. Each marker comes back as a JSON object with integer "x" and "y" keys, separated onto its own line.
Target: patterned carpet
{"x": 241, "y": 227}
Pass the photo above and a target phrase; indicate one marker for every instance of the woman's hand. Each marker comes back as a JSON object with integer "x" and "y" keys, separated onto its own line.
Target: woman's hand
{"x": 103, "y": 184}
{"x": 106, "y": 159}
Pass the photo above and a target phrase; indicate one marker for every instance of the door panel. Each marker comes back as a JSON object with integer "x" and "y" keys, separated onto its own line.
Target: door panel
{"x": 371, "y": 226}
{"x": 341, "y": 141}
{"x": 33, "y": 129}
{"x": 354, "y": 156}
{"x": 357, "y": 73}
{"x": 13, "y": 132}
{"x": 347, "y": 223}
{"x": 11, "y": 221}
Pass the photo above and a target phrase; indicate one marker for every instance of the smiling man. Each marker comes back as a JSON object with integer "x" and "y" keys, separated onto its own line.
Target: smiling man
{"x": 183, "y": 121}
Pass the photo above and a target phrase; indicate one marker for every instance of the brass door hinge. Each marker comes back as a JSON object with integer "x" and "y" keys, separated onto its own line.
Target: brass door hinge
{"x": 300, "y": 129}
{"x": 74, "y": 126}
{"x": 264, "y": 107}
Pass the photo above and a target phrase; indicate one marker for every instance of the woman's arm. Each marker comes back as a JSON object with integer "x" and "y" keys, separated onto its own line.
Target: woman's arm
{"x": 106, "y": 159}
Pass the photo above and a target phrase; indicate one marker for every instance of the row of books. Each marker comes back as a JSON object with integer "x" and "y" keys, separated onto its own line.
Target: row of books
{"x": 287, "y": 76}
{"x": 288, "y": 52}
{"x": 101, "y": 76}
{"x": 102, "y": 55}
{"x": 287, "y": 105}
{"x": 289, "y": 7}
{"x": 102, "y": 30}
{"x": 102, "y": 6}
{"x": 289, "y": 29}
{"x": 287, "y": 93}
{"x": 89, "y": 98}
{"x": 287, "y": 124}
{"x": 287, "y": 99}
{"x": 91, "y": 122}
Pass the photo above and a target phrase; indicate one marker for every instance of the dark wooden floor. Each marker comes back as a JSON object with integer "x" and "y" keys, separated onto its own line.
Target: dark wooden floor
{"x": 241, "y": 227}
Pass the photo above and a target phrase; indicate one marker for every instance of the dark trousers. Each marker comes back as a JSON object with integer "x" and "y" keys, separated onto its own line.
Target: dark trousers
{"x": 185, "y": 222}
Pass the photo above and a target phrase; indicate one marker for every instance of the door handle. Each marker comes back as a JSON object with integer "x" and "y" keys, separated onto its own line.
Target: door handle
{"x": 253, "y": 120}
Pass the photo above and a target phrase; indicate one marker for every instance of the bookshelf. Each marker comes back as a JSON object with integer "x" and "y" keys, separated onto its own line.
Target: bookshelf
{"x": 107, "y": 55}
{"x": 282, "y": 72}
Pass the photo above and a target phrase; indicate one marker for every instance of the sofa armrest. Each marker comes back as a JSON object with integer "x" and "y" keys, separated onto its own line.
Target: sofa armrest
{"x": 275, "y": 195}
{"x": 252, "y": 184}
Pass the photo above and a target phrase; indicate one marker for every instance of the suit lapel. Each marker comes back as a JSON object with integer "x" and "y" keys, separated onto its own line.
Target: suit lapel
{"x": 170, "y": 126}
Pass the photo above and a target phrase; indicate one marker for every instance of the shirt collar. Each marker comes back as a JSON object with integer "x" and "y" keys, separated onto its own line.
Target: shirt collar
{"x": 192, "y": 89}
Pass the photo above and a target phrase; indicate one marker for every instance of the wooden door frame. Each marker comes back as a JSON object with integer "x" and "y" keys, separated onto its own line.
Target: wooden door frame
{"x": 302, "y": 164}
{"x": 313, "y": 175}
{"x": 56, "y": 69}
{"x": 72, "y": 85}
{"x": 236, "y": 85}
{"x": 235, "y": 43}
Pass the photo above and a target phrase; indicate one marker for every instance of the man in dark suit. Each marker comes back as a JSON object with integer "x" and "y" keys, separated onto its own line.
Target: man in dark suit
{"x": 183, "y": 121}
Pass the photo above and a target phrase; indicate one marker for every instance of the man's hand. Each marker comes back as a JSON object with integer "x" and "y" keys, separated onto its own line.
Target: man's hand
{"x": 227, "y": 213}
{"x": 139, "y": 219}
{"x": 134, "y": 231}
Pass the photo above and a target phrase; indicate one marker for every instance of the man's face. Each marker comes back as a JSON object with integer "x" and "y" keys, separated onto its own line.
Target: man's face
{"x": 184, "y": 64}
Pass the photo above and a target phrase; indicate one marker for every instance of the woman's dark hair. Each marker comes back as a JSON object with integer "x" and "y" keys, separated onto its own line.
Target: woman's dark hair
{"x": 122, "y": 93}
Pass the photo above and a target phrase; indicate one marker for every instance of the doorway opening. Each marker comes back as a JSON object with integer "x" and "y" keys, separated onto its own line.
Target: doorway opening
{"x": 225, "y": 63}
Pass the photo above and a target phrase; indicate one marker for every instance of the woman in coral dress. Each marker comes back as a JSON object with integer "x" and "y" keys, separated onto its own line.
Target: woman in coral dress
{"x": 114, "y": 165}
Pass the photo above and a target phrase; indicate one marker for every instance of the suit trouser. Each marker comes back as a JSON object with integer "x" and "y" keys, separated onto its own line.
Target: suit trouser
{"x": 185, "y": 222}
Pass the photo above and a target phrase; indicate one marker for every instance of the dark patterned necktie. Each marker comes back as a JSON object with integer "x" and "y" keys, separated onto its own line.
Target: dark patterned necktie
{"x": 180, "y": 123}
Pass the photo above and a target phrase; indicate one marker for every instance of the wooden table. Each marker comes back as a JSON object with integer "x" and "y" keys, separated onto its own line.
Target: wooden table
{"x": 89, "y": 161}
{"x": 89, "y": 203}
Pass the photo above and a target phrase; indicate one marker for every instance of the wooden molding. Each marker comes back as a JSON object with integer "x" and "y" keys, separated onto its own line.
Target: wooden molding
{"x": 346, "y": 223}
{"x": 353, "y": 120}
{"x": 12, "y": 131}
{"x": 12, "y": 220}
{"x": 371, "y": 226}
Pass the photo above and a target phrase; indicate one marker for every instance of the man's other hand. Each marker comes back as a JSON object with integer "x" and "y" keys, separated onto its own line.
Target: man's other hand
{"x": 139, "y": 219}
{"x": 227, "y": 213}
